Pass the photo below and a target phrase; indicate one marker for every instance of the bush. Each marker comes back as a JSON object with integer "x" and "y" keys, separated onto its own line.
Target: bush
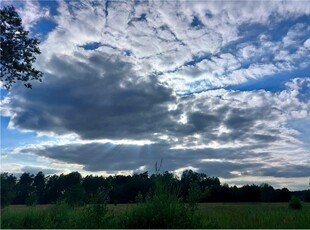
{"x": 295, "y": 203}
{"x": 162, "y": 209}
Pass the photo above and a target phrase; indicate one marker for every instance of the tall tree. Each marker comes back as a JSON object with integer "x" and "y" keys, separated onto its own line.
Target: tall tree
{"x": 18, "y": 50}
{"x": 39, "y": 186}
{"x": 24, "y": 188}
{"x": 8, "y": 183}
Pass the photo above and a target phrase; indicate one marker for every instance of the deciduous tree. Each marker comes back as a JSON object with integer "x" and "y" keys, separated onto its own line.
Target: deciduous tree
{"x": 18, "y": 50}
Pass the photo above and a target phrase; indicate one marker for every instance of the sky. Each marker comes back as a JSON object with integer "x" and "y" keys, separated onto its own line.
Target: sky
{"x": 219, "y": 87}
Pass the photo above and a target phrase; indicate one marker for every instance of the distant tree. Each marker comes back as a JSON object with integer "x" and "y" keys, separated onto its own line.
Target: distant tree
{"x": 18, "y": 50}
{"x": 54, "y": 189}
{"x": 24, "y": 188}
{"x": 307, "y": 196}
{"x": 75, "y": 195}
{"x": 187, "y": 177}
{"x": 251, "y": 193}
{"x": 92, "y": 184}
{"x": 72, "y": 178}
{"x": 267, "y": 193}
{"x": 8, "y": 183}
{"x": 282, "y": 195}
{"x": 39, "y": 187}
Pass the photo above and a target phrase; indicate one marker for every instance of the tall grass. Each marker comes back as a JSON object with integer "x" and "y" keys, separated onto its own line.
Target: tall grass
{"x": 232, "y": 216}
{"x": 255, "y": 215}
{"x": 162, "y": 209}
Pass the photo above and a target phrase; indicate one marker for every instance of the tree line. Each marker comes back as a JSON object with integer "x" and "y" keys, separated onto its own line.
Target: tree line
{"x": 74, "y": 189}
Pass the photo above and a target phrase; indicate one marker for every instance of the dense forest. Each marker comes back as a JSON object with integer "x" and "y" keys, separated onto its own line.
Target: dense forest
{"x": 74, "y": 189}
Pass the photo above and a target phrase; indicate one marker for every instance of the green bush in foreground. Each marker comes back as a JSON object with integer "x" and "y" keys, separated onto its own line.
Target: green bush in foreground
{"x": 162, "y": 209}
{"x": 295, "y": 203}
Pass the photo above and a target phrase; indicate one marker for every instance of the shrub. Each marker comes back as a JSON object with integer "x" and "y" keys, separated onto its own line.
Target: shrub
{"x": 295, "y": 203}
{"x": 162, "y": 209}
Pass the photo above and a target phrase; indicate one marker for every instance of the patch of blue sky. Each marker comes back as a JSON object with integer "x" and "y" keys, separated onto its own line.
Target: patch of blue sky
{"x": 3, "y": 93}
{"x": 196, "y": 59}
{"x": 51, "y": 5}
{"x": 91, "y": 46}
{"x": 43, "y": 27}
{"x": 249, "y": 35}
{"x": 279, "y": 29}
{"x": 272, "y": 83}
{"x": 196, "y": 23}
{"x": 304, "y": 93}
{"x": 303, "y": 127}
{"x": 11, "y": 137}
{"x": 142, "y": 17}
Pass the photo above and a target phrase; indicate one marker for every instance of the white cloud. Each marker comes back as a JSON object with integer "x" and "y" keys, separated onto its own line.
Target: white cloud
{"x": 31, "y": 13}
{"x": 126, "y": 88}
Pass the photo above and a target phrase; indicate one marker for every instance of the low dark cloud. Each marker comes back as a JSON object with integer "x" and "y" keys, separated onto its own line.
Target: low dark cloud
{"x": 112, "y": 158}
{"x": 286, "y": 171}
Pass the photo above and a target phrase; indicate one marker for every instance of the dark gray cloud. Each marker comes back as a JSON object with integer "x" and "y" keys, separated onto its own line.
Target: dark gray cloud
{"x": 286, "y": 171}
{"x": 102, "y": 98}
{"x": 111, "y": 157}
{"x": 225, "y": 162}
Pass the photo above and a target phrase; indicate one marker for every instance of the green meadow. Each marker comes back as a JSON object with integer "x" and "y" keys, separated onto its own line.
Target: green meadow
{"x": 178, "y": 215}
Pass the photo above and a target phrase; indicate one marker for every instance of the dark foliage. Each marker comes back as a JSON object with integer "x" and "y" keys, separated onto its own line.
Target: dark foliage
{"x": 8, "y": 183}
{"x": 75, "y": 190}
{"x": 18, "y": 50}
{"x": 295, "y": 203}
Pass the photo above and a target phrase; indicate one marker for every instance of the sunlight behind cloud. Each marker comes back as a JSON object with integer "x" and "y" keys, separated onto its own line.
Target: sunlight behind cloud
{"x": 218, "y": 86}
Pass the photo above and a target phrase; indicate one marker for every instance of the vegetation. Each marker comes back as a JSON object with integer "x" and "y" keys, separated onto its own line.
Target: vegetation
{"x": 295, "y": 203}
{"x": 157, "y": 201}
{"x": 18, "y": 50}
{"x": 211, "y": 215}
{"x": 75, "y": 190}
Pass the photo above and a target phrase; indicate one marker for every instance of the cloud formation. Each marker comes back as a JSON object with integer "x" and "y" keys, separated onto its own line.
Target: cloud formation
{"x": 160, "y": 72}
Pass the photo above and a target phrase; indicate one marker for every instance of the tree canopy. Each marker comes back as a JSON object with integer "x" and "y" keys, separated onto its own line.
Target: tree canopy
{"x": 17, "y": 50}
{"x": 74, "y": 189}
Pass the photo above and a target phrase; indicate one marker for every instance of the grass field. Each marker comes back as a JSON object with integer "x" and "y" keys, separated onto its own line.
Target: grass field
{"x": 214, "y": 215}
{"x": 255, "y": 215}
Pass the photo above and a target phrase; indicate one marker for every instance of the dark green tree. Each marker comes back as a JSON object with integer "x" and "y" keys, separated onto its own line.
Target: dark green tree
{"x": 267, "y": 193}
{"x": 39, "y": 187}
{"x": 18, "y": 50}
{"x": 8, "y": 183}
{"x": 24, "y": 188}
{"x": 75, "y": 195}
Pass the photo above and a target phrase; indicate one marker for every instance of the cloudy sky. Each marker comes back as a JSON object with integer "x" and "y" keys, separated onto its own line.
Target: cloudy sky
{"x": 220, "y": 87}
